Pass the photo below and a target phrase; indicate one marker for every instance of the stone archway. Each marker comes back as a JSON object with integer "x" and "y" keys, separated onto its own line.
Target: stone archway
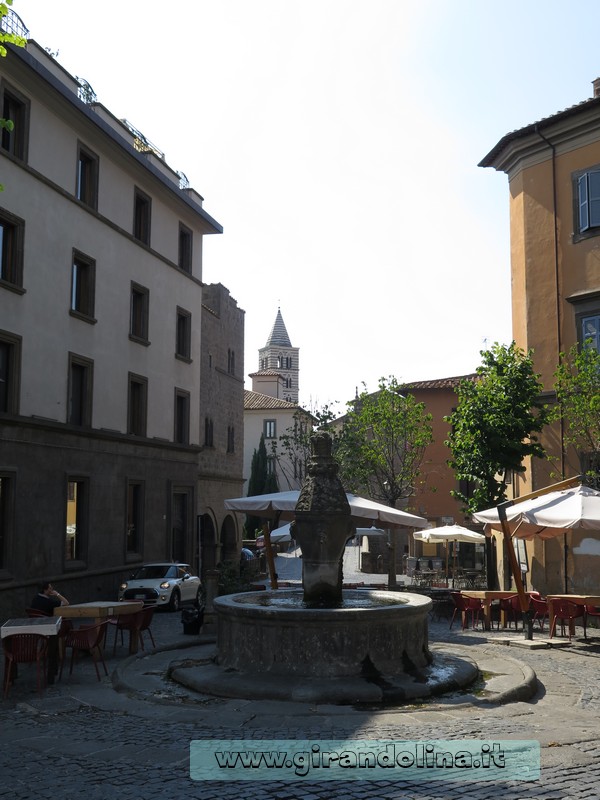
{"x": 229, "y": 544}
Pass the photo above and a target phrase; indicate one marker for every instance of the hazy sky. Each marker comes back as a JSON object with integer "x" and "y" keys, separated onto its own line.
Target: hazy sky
{"x": 337, "y": 143}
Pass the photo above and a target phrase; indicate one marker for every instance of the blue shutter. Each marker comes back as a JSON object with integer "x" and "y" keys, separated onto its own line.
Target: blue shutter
{"x": 582, "y": 187}
{"x": 594, "y": 198}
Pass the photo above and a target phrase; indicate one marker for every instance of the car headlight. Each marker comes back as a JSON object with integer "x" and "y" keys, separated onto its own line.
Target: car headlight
{"x": 165, "y": 585}
{"x": 123, "y": 586}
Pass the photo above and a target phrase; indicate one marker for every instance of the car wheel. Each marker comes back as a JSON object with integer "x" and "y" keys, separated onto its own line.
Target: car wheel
{"x": 175, "y": 601}
{"x": 200, "y": 597}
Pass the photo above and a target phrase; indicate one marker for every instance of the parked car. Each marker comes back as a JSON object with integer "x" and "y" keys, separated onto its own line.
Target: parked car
{"x": 163, "y": 584}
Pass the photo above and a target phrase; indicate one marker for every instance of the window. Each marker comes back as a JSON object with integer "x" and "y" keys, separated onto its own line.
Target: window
{"x": 87, "y": 177}
{"x": 270, "y": 428}
{"x": 15, "y": 107}
{"x": 231, "y": 362}
{"x": 588, "y": 198}
{"x": 12, "y": 234}
{"x": 138, "y": 316}
{"x": 208, "y": 432}
{"x": 135, "y": 518}
{"x": 271, "y": 468}
{"x": 230, "y": 439}
{"x": 137, "y": 405}
{"x": 83, "y": 278}
{"x": 10, "y": 371}
{"x": 185, "y": 248}
{"x": 141, "y": 217}
{"x": 183, "y": 339}
{"x": 7, "y": 504}
{"x": 590, "y": 330}
{"x": 80, "y": 391}
{"x": 77, "y": 519}
{"x": 182, "y": 416}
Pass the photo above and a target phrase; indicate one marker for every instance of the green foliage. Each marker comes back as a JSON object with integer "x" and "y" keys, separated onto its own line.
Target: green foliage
{"x": 383, "y": 442}
{"x": 261, "y": 481}
{"x": 494, "y": 425}
{"x": 577, "y": 386}
{"x": 293, "y": 449}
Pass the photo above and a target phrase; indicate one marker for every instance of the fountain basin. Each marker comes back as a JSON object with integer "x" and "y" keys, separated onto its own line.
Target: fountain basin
{"x": 371, "y": 634}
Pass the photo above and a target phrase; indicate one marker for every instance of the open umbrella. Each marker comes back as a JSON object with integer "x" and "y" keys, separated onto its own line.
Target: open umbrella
{"x": 550, "y": 514}
{"x": 545, "y": 513}
{"x": 281, "y": 534}
{"x": 449, "y": 533}
{"x": 282, "y": 505}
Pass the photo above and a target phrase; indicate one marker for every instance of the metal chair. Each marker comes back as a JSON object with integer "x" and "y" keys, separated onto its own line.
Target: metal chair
{"x": 25, "y": 648}
{"x": 86, "y": 639}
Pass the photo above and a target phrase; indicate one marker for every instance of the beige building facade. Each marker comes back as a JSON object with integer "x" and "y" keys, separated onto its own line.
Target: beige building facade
{"x": 553, "y": 169}
{"x": 102, "y": 432}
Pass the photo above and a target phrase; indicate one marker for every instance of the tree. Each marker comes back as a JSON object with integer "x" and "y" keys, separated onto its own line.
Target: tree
{"x": 261, "y": 481}
{"x": 383, "y": 442}
{"x": 8, "y": 38}
{"x": 577, "y": 387}
{"x": 495, "y": 424}
{"x": 381, "y": 448}
{"x": 293, "y": 449}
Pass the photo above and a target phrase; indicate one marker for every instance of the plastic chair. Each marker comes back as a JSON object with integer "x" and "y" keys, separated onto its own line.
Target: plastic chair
{"x": 147, "y": 616}
{"x": 86, "y": 639}
{"x": 127, "y": 622}
{"x": 466, "y": 606}
{"x": 540, "y": 609}
{"x": 592, "y": 611}
{"x": 566, "y": 611}
{"x": 511, "y": 608}
{"x": 25, "y": 648}
{"x": 35, "y": 612}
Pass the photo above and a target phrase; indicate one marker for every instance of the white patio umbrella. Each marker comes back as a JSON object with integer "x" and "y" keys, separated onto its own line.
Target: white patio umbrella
{"x": 281, "y": 534}
{"x": 449, "y": 533}
{"x": 282, "y": 505}
{"x": 550, "y": 514}
{"x": 547, "y": 514}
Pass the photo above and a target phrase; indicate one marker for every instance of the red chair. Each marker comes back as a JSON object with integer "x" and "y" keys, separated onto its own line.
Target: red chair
{"x": 511, "y": 607}
{"x": 566, "y": 611}
{"x": 127, "y": 622}
{"x": 35, "y": 612}
{"x": 86, "y": 639}
{"x": 460, "y": 607}
{"x": 592, "y": 611}
{"x": 539, "y": 606}
{"x": 147, "y": 617}
{"x": 466, "y": 606}
{"x": 25, "y": 648}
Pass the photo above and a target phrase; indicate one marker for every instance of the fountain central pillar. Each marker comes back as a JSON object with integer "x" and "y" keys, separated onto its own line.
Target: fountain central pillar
{"x": 322, "y": 526}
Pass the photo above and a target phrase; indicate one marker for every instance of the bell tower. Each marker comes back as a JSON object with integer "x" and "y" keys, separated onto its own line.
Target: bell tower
{"x": 278, "y": 355}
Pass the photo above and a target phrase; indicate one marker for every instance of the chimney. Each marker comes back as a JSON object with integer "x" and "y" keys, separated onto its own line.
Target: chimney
{"x": 596, "y": 85}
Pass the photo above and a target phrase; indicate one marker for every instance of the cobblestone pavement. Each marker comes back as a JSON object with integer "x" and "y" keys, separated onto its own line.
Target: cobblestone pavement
{"x": 62, "y": 747}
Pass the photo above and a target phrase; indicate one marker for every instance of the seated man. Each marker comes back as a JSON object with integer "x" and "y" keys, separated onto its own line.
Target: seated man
{"x": 47, "y": 599}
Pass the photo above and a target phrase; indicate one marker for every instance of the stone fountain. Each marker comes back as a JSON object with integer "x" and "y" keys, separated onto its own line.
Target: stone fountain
{"x": 323, "y": 643}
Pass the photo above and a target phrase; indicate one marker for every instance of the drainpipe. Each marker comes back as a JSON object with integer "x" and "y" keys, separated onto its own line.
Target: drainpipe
{"x": 558, "y": 334}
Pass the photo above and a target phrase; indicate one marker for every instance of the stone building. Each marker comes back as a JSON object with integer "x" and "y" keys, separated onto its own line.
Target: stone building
{"x": 221, "y": 425}
{"x": 102, "y": 436}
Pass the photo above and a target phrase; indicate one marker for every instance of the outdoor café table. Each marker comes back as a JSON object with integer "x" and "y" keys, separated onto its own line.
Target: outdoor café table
{"x": 46, "y": 626}
{"x": 99, "y": 610}
{"x": 578, "y": 599}
{"x": 487, "y": 596}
